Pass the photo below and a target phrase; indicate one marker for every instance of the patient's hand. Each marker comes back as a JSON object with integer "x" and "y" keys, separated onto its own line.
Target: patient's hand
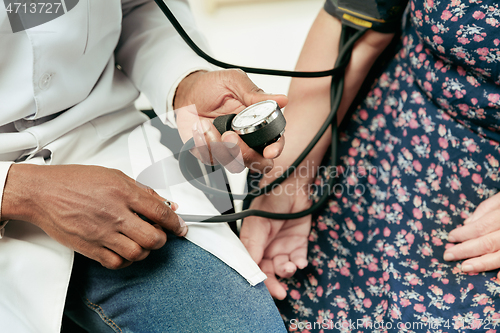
{"x": 203, "y": 96}
{"x": 279, "y": 247}
{"x": 478, "y": 241}
{"x": 92, "y": 210}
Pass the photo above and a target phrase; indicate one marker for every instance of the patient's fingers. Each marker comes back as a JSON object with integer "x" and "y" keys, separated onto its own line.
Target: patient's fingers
{"x": 283, "y": 267}
{"x": 273, "y": 285}
{"x": 484, "y": 208}
{"x": 299, "y": 257}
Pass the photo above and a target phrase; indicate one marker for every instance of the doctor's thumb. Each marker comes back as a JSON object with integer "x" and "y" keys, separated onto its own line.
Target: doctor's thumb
{"x": 260, "y": 96}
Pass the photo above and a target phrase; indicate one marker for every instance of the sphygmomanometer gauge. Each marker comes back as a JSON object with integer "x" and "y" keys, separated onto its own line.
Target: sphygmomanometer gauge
{"x": 259, "y": 125}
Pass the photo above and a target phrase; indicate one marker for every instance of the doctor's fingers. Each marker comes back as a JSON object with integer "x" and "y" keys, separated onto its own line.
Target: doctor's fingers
{"x": 213, "y": 151}
{"x": 156, "y": 211}
{"x": 246, "y": 91}
{"x": 107, "y": 258}
{"x": 127, "y": 248}
{"x": 488, "y": 223}
{"x": 234, "y": 154}
{"x": 249, "y": 157}
{"x": 274, "y": 150}
{"x": 174, "y": 206}
{"x": 144, "y": 234}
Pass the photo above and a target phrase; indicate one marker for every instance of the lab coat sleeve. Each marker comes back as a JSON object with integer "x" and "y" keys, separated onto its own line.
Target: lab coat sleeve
{"x": 4, "y": 170}
{"x": 154, "y": 56}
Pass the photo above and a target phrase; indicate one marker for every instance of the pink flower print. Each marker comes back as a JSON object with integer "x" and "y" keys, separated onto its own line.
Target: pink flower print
{"x": 427, "y": 86}
{"x": 464, "y": 172}
{"x": 319, "y": 291}
{"x": 295, "y": 294}
{"x": 417, "y": 213}
{"x": 341, "y": 303}
{"x": 419, "y": 308}
{"x": 437, "y": 241}
{"x": 363, "y": 114}
{"x": 443, "y": 143}
{"x": 412, "y": 279}
{"x": 455, "y": 183}
{"x": 446, "y": 15}
{"x": 417, "y": 165}
{"x": 472, "y": 147}
{"x": 478, "y": 15}
{"x": 322, "y": 226}
{"x": 483, "y": 51}
{"x": 481, "y": 299}
{"x": 476, "y": 178}
{"x": 491, "y": 21}
{"x": 410, "y": 238}
{"x": 405, "y": 302}
{"x": 417, "y": 201}
{"x": 344, "y": 271}
{"x": 367, "y": 303}
{"x": 449, "y": 298}
{"x": 350, "y": 224}
{"x": 439, "y": 171}
{"x": 492, "y": 160}
{"x": 436, "y": 290}
{"x": 493, "y": 98}
{"x": 437, "y": 40}
{"x": 447, "y": 94}
{"x": 463, "y": 40}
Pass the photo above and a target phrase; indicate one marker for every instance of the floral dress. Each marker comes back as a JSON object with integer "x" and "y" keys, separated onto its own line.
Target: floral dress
{"x": 418, "y": 156}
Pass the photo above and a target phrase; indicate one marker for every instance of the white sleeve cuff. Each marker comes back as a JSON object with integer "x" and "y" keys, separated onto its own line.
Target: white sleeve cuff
{"x": 4, "y": 170}
{"x": 169, "y": 117}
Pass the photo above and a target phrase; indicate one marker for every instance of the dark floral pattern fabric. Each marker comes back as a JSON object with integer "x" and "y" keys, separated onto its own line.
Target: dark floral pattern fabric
{"x": 418, "y": 156}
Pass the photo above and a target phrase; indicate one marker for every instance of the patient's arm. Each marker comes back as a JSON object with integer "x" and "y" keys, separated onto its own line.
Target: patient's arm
{"x": 281, "y": 246}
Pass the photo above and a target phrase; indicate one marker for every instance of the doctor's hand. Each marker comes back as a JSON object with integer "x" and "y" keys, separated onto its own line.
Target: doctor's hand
{"x": 203, "y": 96}
{"x": 278, "y": 246}
{"x": 478, "y": 239}
{"x": 91, "y": 210}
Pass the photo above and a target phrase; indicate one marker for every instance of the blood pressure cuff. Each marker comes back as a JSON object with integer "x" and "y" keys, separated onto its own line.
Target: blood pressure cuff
{"x": 379, "y": 15}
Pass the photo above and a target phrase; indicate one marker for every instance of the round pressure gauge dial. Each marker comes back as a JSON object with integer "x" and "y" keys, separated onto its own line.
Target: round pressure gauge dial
{"x": 258, "y": 125}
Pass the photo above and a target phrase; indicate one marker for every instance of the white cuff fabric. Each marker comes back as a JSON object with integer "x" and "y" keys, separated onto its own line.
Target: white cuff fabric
{"x": 4, "y": 170}
{"x": 169, "y": 117}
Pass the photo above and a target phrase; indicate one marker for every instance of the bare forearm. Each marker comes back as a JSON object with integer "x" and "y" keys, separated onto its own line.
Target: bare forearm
{"x": 309, "y": 103}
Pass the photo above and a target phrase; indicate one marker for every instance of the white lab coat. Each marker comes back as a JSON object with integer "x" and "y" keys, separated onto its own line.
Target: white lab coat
{"x": 68, "y": 65}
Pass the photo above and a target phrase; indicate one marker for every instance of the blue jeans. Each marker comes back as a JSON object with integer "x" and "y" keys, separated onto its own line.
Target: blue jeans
{"x": 179, "y": 288}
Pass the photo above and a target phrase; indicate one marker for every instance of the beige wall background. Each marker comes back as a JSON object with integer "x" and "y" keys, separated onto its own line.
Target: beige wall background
{"x": 256, "y": 33}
